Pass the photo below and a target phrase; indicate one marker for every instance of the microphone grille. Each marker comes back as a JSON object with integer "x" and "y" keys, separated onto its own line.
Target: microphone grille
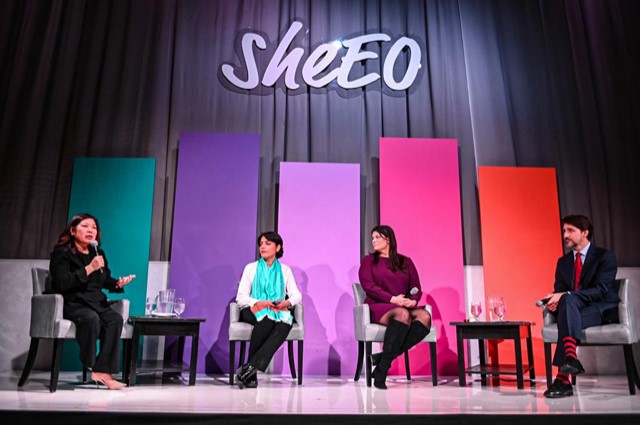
{"x": 94, "y": 243}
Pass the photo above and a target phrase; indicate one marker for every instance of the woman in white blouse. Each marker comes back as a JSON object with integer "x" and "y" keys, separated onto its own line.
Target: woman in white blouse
{"x": 266, "y": 296}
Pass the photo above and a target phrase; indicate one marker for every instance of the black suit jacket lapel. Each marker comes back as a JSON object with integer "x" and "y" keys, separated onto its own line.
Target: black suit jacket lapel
{"x": 568, "y": 270}
{"x": 589, "y": 265}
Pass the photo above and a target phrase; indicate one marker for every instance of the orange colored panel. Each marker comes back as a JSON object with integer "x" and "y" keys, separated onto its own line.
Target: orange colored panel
{"x": 521, "y": 242}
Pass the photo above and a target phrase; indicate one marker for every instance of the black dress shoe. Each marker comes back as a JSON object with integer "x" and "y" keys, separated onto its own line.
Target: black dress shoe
{"x": 572, "y": 367}
{"x": 559, "y": 389}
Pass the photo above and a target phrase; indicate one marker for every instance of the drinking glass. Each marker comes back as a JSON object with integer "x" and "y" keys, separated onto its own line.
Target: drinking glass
{"x": 150, "y": 305}
{"x": 476, "y": 310}
{"x": 499, "y": 308}
{"x": 178, "y": 306}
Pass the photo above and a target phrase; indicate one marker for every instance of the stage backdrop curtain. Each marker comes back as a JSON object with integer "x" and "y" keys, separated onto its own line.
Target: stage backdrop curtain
{"x": 542, "y": 83}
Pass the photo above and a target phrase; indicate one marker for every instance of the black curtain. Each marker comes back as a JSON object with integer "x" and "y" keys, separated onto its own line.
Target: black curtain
{"x": 543, "y": 83}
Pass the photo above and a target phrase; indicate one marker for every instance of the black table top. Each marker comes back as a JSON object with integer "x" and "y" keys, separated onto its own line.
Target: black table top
{"x": 173, "y": 319}
{"x": 507, "y": 323}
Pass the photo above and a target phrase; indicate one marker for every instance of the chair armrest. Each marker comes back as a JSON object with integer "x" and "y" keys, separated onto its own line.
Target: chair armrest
{"x": 625, "y": 310}
{"x": 234, "y": 313}
{"x": 122, "y": 308}
{"x": 547, "y": 317}
{"x": 46, "y": 311}
{"x": 361, "y": 318}
{"x": 298, "y": 313}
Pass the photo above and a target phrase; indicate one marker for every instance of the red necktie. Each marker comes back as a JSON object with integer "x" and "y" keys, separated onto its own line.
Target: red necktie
{"x": 578, "y": 267}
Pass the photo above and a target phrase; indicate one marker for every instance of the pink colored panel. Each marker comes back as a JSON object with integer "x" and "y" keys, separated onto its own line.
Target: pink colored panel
{"x": 319, "y": 220}
{"x": 420, "y": 199}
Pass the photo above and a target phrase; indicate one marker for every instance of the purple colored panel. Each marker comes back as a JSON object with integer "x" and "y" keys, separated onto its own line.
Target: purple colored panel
{"x": 319, "y": 220}
{"x": 214, "y": 231}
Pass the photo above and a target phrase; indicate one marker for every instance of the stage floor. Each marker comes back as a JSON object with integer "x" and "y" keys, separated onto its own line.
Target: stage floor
{"x": 317, "y": 395}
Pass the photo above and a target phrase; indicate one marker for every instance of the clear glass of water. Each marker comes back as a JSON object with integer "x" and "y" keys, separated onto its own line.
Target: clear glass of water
{"x": 500, "y": 308}
{"x": 150, "y": 305}
{"x": 178, "y": 306}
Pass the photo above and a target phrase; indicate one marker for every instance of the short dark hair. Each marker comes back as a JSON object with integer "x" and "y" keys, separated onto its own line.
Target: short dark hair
{"x": 582, "y": 222}
{"x": 275, "y": 238}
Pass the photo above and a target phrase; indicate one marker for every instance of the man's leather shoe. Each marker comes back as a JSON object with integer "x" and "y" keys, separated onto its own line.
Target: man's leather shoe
{"x": 572, "y": 367}
{"x": 559, "y": 389}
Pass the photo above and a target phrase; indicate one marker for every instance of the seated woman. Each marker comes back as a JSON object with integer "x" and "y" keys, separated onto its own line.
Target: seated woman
{"x": 393, "y": 290}
{"x": 79, "y": 274}
{"x": 266, "y": 293}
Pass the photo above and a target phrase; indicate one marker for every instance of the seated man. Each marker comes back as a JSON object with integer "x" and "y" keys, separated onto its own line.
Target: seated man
{"x": 583, "y": 291}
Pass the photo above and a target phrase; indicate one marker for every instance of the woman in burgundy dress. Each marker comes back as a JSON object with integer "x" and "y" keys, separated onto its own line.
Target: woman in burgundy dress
{"x": 393, "y": 290}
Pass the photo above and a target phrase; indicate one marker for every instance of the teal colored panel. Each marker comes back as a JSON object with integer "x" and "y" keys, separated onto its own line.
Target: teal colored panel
{"x": 119, "y": 193}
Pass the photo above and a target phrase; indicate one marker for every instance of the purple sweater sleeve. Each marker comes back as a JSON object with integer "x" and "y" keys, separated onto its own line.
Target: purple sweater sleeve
{"x": 371, "y": 288}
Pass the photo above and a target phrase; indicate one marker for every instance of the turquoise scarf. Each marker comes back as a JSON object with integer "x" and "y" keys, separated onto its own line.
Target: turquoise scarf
{"x": 268, "y": 285}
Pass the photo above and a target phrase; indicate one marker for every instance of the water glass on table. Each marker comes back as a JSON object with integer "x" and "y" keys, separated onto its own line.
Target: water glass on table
{"x": 179, "y": 306}
{"x": 150, "y": 306}
{"x": 476, "y": 310}
{"x": 499, "y": 308}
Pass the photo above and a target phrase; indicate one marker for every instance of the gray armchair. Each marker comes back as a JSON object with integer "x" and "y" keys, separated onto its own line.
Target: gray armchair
{"x": 47, "y": 323}
{"x": 367, "y": 333}
{"x": 622, "y": 333}
{"x": 241, "y": 332}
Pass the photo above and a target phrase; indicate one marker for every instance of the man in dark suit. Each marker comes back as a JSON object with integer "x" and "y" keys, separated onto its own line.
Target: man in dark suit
{"x": 583, "y": 293}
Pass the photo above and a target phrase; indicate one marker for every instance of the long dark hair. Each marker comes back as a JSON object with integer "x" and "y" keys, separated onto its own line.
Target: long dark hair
{"x": 66, "y": 239}
{"x": 396, "y": 261}
{"x": 275, "y": 238}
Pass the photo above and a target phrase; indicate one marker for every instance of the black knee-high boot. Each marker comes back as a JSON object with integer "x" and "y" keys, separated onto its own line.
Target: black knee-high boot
{"x": 394, "y": 337}
{"x": 417, "y": 332}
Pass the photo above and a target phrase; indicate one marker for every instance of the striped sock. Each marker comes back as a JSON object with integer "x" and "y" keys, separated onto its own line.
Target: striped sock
{"x": 569, "y": 347}
{"x": 563, "y": 378}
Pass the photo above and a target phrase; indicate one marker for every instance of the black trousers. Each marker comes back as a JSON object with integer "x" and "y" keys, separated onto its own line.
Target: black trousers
{"x": 91, "y": 326}
{"x": 266, "y": 338}
{"x": 573, "y": 316}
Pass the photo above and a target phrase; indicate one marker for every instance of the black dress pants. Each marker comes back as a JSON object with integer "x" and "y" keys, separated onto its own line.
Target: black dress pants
{"x": 573, "y": 316}
{"x": 266, "y": 338}
{"x": 91, "y": 326}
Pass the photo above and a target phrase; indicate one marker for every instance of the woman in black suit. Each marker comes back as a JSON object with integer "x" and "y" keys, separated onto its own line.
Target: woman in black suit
{"x": 79, "y": 274}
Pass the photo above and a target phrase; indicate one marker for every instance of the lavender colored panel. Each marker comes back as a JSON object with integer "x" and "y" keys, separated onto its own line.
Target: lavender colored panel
{"x": 214, "y": 231}
{"x": 319, "y": 220}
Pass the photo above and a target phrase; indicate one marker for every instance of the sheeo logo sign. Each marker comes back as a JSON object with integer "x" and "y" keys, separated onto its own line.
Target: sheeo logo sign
{"x": 319, "y": 69}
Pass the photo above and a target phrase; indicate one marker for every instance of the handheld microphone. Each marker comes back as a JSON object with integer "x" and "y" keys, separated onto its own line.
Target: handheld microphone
{"x": 413, "y": 291}
{"x": 94, "y": 244}
{"x": 542, "y": 302}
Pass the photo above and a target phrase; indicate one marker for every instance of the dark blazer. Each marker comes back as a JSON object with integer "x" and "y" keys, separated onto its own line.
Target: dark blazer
{"x": 596, "y": 280}
{"x": 70, "y": 279}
